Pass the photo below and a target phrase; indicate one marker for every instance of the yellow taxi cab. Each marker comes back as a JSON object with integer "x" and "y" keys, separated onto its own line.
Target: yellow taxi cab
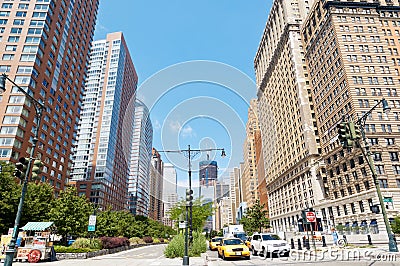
{"x": 214, "y": 242}
{"x": 233, "y": 248}
{"x": 248, "y": 242}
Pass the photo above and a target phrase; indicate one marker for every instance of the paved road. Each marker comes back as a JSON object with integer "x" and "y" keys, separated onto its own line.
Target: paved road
{"x": 143, "y": 256}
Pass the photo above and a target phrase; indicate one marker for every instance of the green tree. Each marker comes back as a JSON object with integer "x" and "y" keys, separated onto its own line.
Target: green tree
{"x": 255, "y": 218}
{"x": 115, "y": 223}
{"x": 396, "y": 225}
{"x": 38, "y": 203}
{"x": 70, "y": 213}
{"x": 200, "y": 213}
{"x": 9, "y": 197}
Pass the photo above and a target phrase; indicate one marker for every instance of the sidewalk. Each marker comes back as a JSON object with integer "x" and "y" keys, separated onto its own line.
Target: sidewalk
{"x": 349, "y": 253}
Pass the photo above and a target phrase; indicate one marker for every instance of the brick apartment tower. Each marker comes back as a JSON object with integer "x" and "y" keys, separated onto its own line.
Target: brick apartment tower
{"x": 352, "y": 52}
{"x": 102, "y": 155}
{"x": 44, "y": 49}
{"x": 156, "y": 187}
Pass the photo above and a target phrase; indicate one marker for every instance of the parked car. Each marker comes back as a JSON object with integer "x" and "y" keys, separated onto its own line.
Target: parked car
{"x": 233, "y": 248}
{"x": 214, "y": 243}
{"x": 264, "y": 244}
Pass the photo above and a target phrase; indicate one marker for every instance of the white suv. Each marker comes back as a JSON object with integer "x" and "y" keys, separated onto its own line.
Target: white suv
{"x": 265, "y": 244}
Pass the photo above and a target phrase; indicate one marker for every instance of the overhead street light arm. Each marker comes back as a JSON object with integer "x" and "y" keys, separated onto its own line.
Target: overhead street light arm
{"x": 39, "y": 107}
{"x": 386, "y": 108}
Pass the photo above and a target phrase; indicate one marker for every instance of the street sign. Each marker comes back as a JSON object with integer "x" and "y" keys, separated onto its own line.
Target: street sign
{"x": 92, "y": 223}
{"x": 92, "y": 220}
{"x": 310, "y": 216}
{"x": 182, "y": 225}
{"x": 91, "y": 228}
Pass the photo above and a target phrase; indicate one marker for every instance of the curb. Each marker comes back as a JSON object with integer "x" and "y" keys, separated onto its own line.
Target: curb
{"x": 102, "y": 252}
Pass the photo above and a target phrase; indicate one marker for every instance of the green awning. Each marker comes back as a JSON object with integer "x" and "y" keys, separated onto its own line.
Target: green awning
{"x": 37, "y": 226}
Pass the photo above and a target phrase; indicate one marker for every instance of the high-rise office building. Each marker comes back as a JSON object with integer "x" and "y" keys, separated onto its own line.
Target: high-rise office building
{"x": 260, "y": 173}
{"x": 44, "y": 49}
{"x": 352, "y": 53}
{"x": 249, "y": 174}
{"x": 102, "y": 155}
{"x": 156, "y": 187}
{"x": 208, "y": 172}
{"x": 141, "y": 153}
{"x": 235, "y": 190}
{"x": 287, "y": 121}
{"x": 170, "y": 193}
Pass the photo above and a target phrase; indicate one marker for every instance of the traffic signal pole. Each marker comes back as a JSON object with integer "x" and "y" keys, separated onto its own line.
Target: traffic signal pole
{"x": 190, "y": 154}
{"x": 39, "y": 107}
{"x": 354, "y": 131}
{"x": 367, "y": 154}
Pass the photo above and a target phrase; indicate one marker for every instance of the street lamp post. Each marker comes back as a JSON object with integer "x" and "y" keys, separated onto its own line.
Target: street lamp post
{"x": 39, "y": 107}
{"x": 367, "y": 154}
{"x": 190, "y": 154}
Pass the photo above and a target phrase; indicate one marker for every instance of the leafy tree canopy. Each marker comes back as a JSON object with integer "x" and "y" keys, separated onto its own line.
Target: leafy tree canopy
{"x": 70, "y": 213}
{"x": 255, "y": 218}
{"x": 200, "y": 213}
{"x": 9, "y": 197}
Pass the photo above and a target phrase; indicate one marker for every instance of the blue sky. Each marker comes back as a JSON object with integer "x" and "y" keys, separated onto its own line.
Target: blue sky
{"x": 194, "y": 60}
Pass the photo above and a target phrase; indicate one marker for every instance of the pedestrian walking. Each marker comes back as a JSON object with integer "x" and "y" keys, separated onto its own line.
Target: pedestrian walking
{"x": 335, "y": 237}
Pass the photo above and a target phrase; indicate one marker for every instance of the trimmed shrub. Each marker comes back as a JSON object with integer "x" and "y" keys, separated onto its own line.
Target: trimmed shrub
{"x": 199, "y": 245}
{"x": 134, "y": 240}
{"x": 156, "y": 240}
{"x": 176, "y": 248}
{"x": 63, "y": 249}
{"x": 114, "y": 242}
{"x": 87, "y": 243}
{"x": 148, "y": 239}
{"x": 161, "y": 240}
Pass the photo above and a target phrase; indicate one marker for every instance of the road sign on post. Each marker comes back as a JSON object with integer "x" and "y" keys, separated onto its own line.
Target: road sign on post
{"x": 92, "y": 223}
{"x": 310, "y": 216}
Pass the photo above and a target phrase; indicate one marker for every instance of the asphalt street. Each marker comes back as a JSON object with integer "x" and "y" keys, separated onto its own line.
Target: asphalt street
{"x": 154, "y": 255}
{"x": 149, "y": 255}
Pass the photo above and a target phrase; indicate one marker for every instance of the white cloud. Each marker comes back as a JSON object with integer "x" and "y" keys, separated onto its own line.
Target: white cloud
{"x": 175, "y": 126}
{"x": 156, "y": 125}
{"x": 188, "y": 132}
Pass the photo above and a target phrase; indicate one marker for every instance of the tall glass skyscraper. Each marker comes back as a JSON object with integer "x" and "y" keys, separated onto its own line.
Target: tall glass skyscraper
{"x": 141, "y": 153}
{"x": 170, "y": 195}
{"x": 102, "y": 157}
{"x": 44, "y": 49}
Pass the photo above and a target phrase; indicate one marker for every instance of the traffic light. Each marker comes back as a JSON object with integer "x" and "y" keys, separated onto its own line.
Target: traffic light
{"x": 189, "y": 196}
{"x": 345, "y": 134}
{"x": 357, "y": 132}
{"x": 375, "y": 208}
{"x": 20, "y": 168}
{"x": 36, "y": 169}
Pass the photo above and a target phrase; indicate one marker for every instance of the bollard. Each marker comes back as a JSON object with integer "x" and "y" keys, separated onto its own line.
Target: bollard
{"x": 323, "y": 241}
{"x": 291, "y": 243}
{"x": 299, "y": 244}
{"x": 307, "y": 244}
{"x": 369, "y": 240}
